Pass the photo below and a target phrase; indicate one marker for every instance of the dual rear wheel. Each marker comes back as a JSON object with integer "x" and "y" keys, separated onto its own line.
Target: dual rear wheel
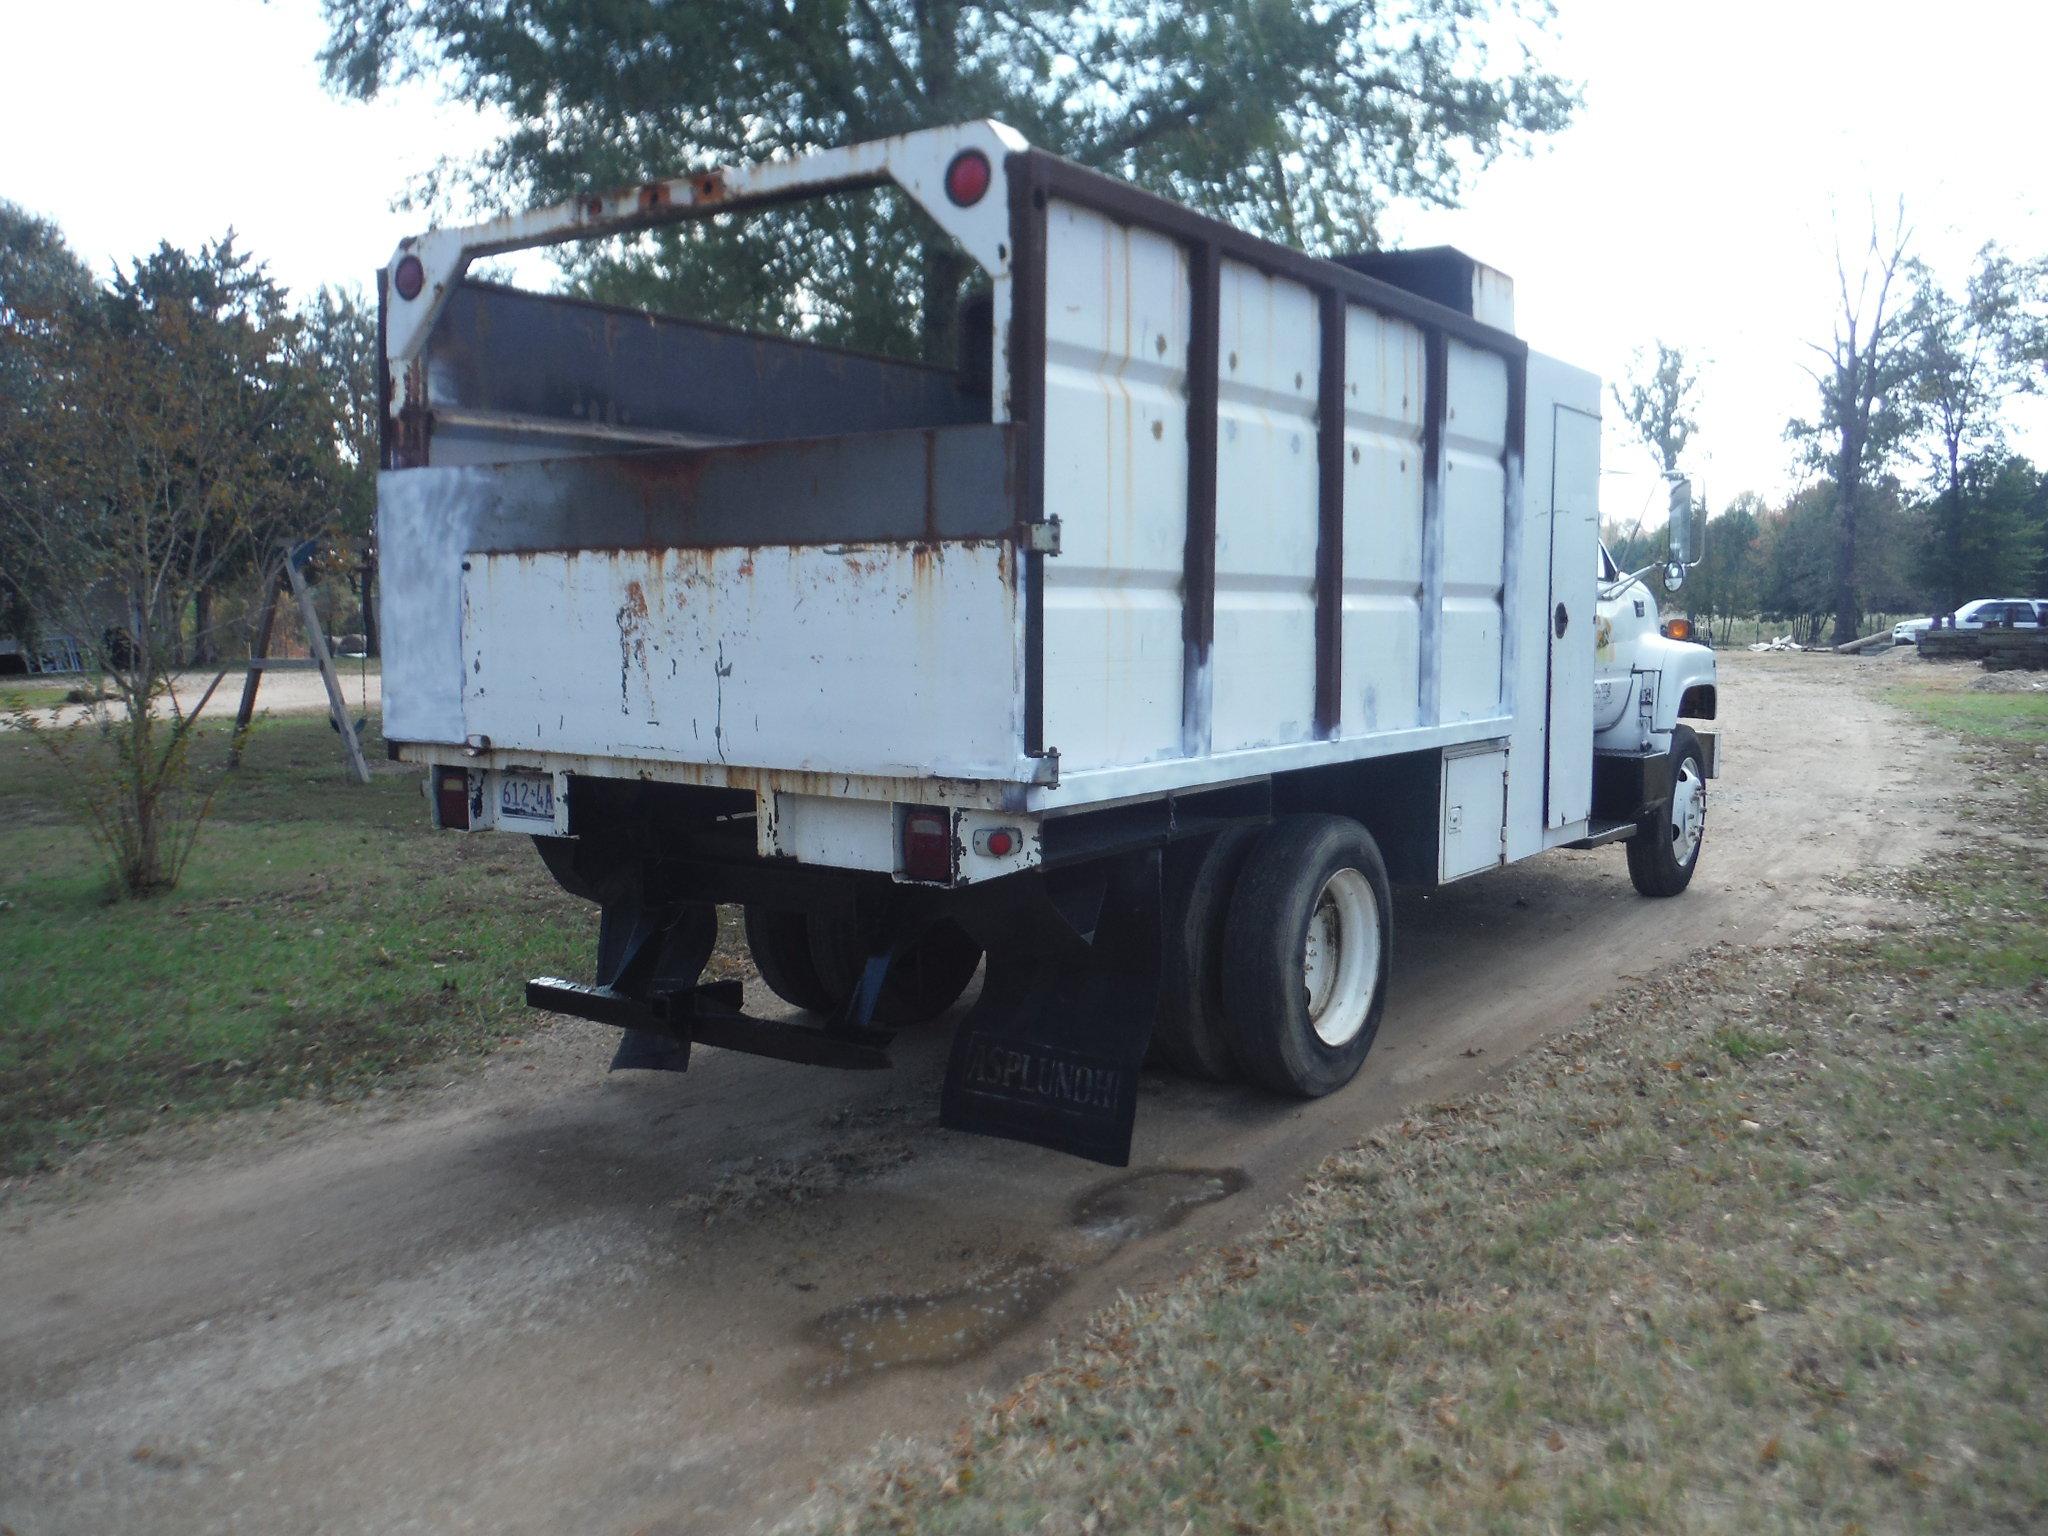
{"x": 814, "y": 962}
{"x": 1277, "y": 949}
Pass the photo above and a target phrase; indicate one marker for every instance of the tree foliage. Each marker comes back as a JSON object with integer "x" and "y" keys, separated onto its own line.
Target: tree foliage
{"x": 183, "y": 434}
{"x": 1299, "y": 119}
{"x": 42, "y": 286}
{"x": 341, "y": 342}
{"x": 1659, "y": 402}
{"x": 1972, "y": 352}
{"x": 1983, "y": 535}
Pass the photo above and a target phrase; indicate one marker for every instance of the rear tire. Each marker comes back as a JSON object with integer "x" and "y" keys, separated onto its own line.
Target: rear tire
{"x": 1306, "y": 953}
{"x": 780, "y": 943}
{"x": 1666, "y": 848}
{"x": 925, "y": 980}
{"x": 1193, "y": 1033}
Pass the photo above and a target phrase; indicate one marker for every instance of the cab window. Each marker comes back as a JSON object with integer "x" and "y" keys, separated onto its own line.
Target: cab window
{"x": 1608, "y": 570}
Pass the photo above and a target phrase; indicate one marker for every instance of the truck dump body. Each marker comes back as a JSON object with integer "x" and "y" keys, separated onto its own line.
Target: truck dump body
{"x": 1211, "y": 569}
{"x": 1216, "y": 509}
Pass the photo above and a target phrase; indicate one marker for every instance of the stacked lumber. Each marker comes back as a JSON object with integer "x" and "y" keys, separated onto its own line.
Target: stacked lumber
{"x": 2000, "y": 650}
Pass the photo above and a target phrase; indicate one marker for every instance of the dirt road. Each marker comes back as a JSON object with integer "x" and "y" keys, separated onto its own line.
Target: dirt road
{"x": 549, "y": 1300}
{"x": 282, "y": 693}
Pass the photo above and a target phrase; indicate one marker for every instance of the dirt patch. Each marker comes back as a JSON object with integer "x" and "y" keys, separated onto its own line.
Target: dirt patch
{"x": 496, "y": 1304}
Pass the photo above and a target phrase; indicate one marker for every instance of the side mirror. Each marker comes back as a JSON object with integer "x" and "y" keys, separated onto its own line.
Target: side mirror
{"x": 1682, "y": 526}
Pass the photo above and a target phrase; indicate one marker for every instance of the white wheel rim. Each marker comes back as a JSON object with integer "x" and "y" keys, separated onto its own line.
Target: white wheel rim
{"x": 1340, "y": 961}
{"x": 1688, "y": 811}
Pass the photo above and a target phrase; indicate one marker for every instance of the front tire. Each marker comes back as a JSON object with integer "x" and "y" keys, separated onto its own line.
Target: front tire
{"x": 1306, "y": 954}
{"x": 1666, "y": 848}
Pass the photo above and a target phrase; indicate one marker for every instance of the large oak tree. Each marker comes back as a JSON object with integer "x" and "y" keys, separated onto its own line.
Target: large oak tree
{"x": 1296, "y": 118}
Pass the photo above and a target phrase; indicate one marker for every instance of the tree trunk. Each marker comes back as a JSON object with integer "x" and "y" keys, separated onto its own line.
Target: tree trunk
{"x": 203, "y": 648}
{"x": 1848, "y": 491}
{"x": 1952, "y": 536}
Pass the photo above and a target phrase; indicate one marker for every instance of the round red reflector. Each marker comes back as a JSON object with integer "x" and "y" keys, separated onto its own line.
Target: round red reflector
{"x": 999, "y": 843}
{"x": 409, "y": 277}
{"x": 968, "y": 177}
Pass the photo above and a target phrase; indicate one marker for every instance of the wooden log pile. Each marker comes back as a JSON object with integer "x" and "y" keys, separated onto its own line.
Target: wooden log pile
{"x": 2000, "y": 650}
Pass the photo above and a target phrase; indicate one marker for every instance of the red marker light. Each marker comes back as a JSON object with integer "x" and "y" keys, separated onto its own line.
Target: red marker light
{"x": 928, "y": 844}
{"x": 451, "y": 798}
{"x": 1000, "y": 843}
{"x": 969, "y": 177}
{"x": 409, "y": 277}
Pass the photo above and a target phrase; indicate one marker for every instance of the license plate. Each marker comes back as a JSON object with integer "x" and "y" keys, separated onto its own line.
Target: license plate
{"x": 526, "y": 798}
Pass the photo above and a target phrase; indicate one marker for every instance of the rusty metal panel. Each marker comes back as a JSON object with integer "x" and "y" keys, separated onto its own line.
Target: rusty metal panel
{"x": 1385, "y": 394}
{"x": 1267, "y": 525}
{"x": 950, "y": 483}
{"x": 514, "y": 374}
{"x": 878, "y": 659}
{"x": 1116, "y": 475}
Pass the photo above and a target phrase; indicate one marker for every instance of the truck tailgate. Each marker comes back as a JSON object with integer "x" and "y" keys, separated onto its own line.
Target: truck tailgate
{"x": 840, "y": 605}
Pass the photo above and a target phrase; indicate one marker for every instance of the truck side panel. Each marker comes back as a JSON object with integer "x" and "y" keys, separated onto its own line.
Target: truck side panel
{"x": 1116, "y": 476}
{"x": 1262, "y": 663}
{"x": 1474, "y": 535}
{"x": 1159, "y": 649}
{"x": 1384, "y": 395}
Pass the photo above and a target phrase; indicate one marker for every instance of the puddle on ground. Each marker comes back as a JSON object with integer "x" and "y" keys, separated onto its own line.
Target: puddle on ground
{"x": 884, "y": 1333}
{"x": 1145, "y": 1204}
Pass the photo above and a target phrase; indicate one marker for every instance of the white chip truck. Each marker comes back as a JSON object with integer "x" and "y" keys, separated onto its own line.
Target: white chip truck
{"x": 1128, "y": 661}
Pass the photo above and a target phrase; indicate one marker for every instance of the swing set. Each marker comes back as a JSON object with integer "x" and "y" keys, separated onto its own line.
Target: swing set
{"x": 293, "y": 579}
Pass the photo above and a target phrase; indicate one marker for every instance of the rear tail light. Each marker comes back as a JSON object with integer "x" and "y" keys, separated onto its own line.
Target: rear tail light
{"x": 928, "y": 845}
{"x": 409, "y": 278}
{"x": 968, "y": 178}
{"x": 451, "y": 798}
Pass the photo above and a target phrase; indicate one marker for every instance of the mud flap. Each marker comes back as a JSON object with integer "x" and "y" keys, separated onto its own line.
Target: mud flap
{"x": 1050, "y": 1054}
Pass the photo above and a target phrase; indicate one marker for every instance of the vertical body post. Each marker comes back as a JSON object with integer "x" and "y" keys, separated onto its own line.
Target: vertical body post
{"x": 1198, "y": 583}
{"x": 1330, "y": 519}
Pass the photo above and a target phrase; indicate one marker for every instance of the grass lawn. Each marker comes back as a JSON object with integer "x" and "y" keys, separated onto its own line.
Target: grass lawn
{"x": 323, "y": 939}
{"x": 1760, "y": 1250}
{"x": 33, "y": 695}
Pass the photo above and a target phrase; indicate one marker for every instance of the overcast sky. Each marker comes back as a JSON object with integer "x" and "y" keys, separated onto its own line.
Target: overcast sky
{"x": 1696, "y": 198}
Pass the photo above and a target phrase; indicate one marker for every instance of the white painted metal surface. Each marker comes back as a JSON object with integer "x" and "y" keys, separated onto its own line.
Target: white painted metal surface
{"x": 914, "y": 162}
{"x": 1474, "y": 812}
{"x": 883, "y": 659}
{"x": 1384, "y": 391}
{"x": 1574, "y": 557}
{"x": 1262, "y": 664}
{"x": 1116, "y": 476}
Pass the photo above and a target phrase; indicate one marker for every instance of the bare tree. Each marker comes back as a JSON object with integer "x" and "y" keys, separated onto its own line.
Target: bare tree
{"x": 1864, "y": 413}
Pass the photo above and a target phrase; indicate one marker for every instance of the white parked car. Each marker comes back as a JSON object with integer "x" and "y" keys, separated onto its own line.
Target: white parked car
{"x": 2003, "y": 613}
